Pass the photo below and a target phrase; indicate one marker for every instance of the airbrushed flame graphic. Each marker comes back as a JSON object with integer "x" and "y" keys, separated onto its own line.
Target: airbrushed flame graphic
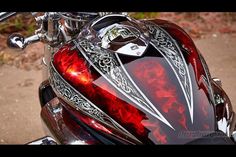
{"x": 167, "y": 46}
{"x": 110, "y": 67}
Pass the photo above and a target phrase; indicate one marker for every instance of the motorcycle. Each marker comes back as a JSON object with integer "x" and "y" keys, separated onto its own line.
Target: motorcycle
{"x": 112, "y": 79}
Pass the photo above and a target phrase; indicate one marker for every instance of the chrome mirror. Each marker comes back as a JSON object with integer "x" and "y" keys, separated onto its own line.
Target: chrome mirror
{"x": 16, "y": 41}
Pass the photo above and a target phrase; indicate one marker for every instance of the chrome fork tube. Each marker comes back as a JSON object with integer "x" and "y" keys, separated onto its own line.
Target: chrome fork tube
{"x": 53, "y": 28}
{"x": 52, "y": 37}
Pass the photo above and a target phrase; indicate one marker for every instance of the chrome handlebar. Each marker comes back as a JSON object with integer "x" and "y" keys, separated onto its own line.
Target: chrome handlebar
{"x": 51, "y": 31}
{"x": 18, "y": 41}
{"x": 6, "y": 15}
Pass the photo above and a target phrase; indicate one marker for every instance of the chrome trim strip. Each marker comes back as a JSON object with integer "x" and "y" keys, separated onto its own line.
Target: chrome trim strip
{"x": 47, "y": 140}
{"x": 207, "y": 72}
{"x": 105, "y": 16}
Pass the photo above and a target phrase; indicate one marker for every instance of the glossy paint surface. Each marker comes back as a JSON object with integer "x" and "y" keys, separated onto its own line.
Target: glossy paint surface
{"x": 155, "y": 78}
{"x": 201, "y": 85}
{"x": 65, "y": 129}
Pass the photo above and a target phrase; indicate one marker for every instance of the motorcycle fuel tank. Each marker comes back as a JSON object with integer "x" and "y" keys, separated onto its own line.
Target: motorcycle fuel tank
{"x": 141, "y": 81}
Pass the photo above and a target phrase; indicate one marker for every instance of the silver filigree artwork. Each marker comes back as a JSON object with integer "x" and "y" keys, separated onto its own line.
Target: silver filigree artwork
{"x": 167, "y": 46}
{"x": 66, "y": 92}
{"x": 109, "y": 66}
{"x": 79, "y": 102}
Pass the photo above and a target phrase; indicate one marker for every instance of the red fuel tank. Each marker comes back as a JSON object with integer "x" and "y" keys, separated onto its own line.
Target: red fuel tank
{"x": 142, "y": 81}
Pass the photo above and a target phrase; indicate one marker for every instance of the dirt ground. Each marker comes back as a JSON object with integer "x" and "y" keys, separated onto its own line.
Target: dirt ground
{"x": 19, "y": 105}
{"x": 219, "y": 52}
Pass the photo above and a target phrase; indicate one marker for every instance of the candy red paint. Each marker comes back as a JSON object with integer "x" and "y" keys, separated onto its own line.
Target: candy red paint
{"x": 76, "y": 71}
{"x": 152, "y": 74}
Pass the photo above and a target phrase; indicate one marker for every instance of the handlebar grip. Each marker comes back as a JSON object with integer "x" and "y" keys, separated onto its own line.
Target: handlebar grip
{"x": 5, "y": 15}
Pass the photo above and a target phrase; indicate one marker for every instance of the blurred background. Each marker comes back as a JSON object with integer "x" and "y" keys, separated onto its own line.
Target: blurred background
{"x": 20, "y": 71}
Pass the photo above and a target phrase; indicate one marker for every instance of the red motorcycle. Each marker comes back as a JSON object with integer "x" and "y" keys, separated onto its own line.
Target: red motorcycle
{"x": 111, "y": 79}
